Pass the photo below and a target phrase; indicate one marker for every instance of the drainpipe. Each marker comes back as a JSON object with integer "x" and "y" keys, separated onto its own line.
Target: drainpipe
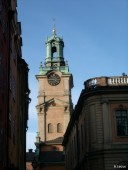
{"x": 44, "y": 118}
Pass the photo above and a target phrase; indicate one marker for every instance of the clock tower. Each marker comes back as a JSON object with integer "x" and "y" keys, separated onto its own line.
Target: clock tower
{"x": 54, "y": 92}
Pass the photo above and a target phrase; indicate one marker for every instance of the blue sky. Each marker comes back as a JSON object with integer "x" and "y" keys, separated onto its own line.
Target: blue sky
{"x": 95, "y": 34}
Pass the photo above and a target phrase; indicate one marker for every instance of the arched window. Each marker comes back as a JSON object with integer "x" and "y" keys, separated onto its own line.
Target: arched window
{"x": 54, "y": 52}
{"x": 121, "y": 122}
{"x": 50, "y": 128}
{"x": 59, "y": 128}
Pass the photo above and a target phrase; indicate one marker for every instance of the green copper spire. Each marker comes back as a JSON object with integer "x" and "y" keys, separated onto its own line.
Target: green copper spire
{"x": 54, "y": 59}
{"x": 54, "y": 48}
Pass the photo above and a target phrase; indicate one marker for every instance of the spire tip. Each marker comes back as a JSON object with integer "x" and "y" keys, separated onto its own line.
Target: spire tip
{"x": 54, "y": 28}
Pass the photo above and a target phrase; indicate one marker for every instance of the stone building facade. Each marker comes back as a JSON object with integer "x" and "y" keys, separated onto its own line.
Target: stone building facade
{"x": 54, "y": 104}
{"x": 14, "y": 90}
{"x": 97, "y": 134}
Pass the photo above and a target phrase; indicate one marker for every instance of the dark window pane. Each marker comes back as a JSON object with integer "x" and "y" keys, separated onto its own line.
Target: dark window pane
{"x": 122, "y": 122}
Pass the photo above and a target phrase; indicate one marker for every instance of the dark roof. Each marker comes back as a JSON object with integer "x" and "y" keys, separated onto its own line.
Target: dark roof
{"x": 30, "y": 156}
{"x": 51, "y": 156}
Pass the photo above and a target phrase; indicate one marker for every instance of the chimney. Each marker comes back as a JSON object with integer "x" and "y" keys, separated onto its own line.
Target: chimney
{"x": 30, "y": 150}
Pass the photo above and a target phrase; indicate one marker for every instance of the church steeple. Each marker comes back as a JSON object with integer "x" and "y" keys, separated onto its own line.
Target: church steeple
{"x": 54, "y": 59}
{"x": 54, "y": 95}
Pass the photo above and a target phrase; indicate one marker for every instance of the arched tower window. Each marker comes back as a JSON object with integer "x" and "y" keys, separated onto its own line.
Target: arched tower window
{"x": 59, "y": 128}
{"x": 50, "y": 128}
{"x": 54, "y": 52}
{"x": 122, "y": 122}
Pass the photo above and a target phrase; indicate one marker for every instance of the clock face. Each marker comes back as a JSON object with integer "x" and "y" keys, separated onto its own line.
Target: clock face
{"x": 53, "y": 79}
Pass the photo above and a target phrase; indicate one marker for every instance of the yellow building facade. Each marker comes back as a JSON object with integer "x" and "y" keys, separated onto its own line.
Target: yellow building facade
{"x": 54, "y": 104}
